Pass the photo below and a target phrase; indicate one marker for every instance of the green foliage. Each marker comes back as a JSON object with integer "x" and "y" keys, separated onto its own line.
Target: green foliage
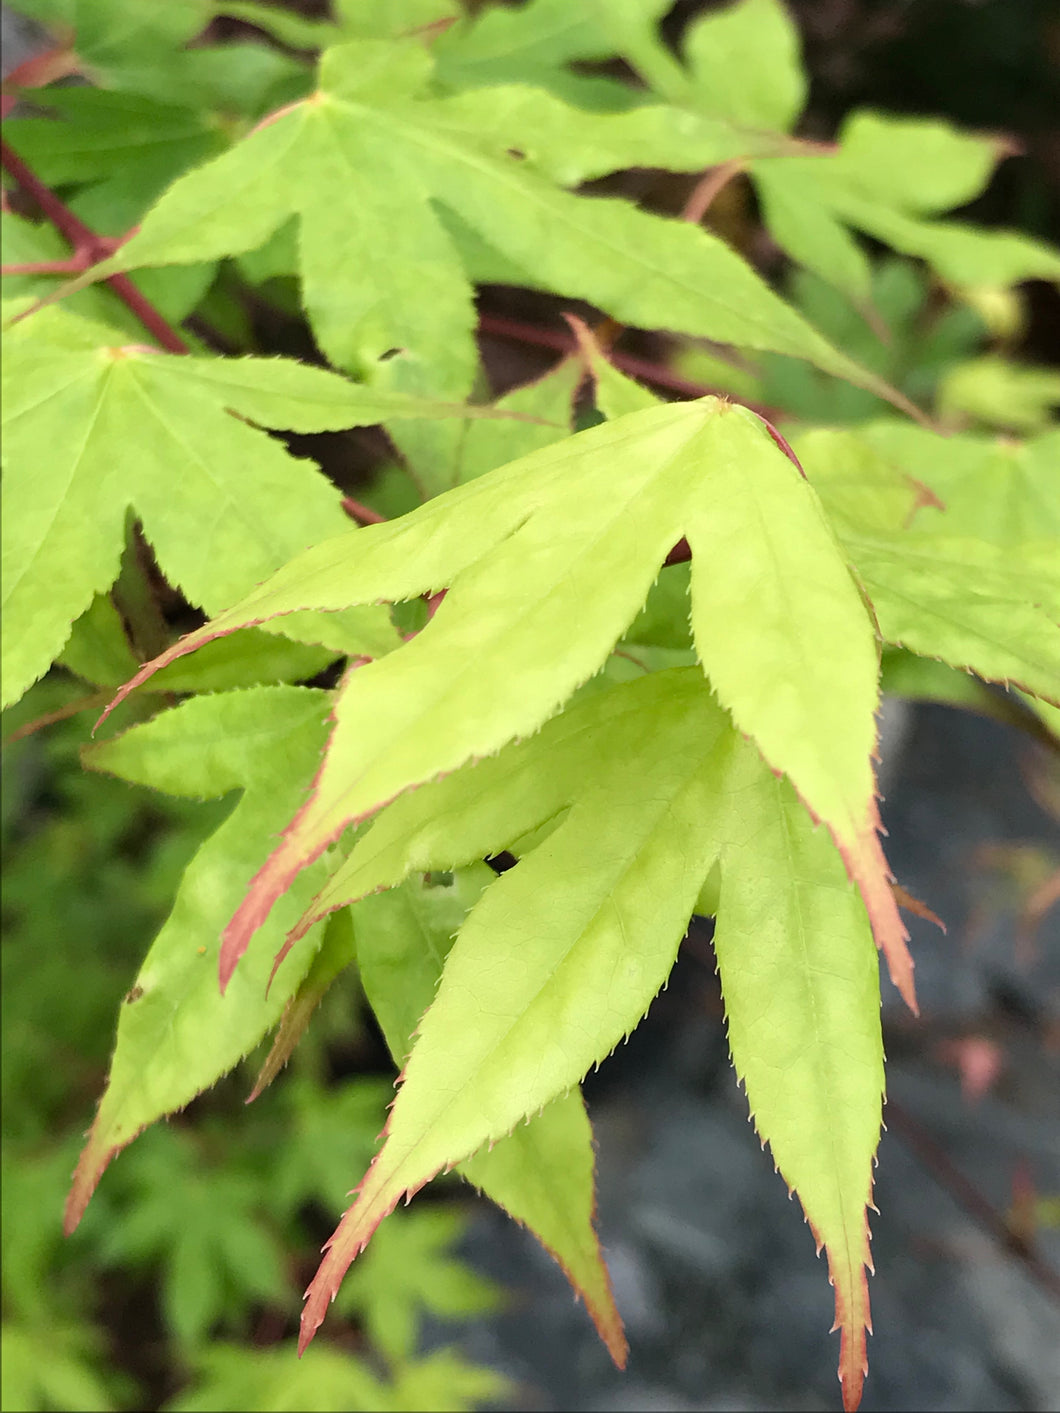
{"x": 524, "y": 663}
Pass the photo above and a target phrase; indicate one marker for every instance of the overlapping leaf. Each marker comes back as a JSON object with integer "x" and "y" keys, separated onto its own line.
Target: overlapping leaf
{"x": 633, "y": 794}
{"x": 957, "y": 541}
{"x": 547, "y": 561}
{"x": 370, "y": 166}
{"x": 176, "y": 1035}
{"x": 541, "y": 1173}
{"x": 147, "y": 49}
{"x": 94, "y": 426}
{"x": 889, "y": 178}
{"x": 562, "y": 955}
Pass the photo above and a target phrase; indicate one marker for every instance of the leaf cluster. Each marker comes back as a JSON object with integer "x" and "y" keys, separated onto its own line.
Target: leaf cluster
{"x": 633, "y": 646}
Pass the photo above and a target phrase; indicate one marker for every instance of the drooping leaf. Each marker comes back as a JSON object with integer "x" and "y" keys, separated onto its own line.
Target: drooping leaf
{"x": 801, "y": 988}
{"x": 176, "y": 1035}
{"x": 361, "y": 163}
{"x": 547, "y": 562}
{"x": 563, "y": 954}
{"x": 635, "y": 764}
{"x": 542, "y": 1173}
{"x": 221, "y": 502}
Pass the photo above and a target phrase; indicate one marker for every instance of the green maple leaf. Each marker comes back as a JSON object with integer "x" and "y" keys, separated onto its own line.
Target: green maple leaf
{"x": 542, "y": 1173}
{"x": 955, "y": 541}
{"x": 127, "y": 47}
{"x": 335, "y": 954}
{"x": 202, "y": 1229}
{"x": 549, "y": 401}
{"x": 1001, "y": 393}
{"x": 56, "y": 1365}
{"x": 94, "y": 426}
{"x": 377, "y": 171}
{"x": 175, "y": 1034}
{"x": 535, "y": 43}
{"x": 629, "y": 798}
{"x": 410, "y": 1270}
{"x": 547, "y": 561}
{"x": 889, "y": 178}
{"x": 998, "y": 490}
{"x": 333, "y": 1131}
{"x": 272, "y": 1381}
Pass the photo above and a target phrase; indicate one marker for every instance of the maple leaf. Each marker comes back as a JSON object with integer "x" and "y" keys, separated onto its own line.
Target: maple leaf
{"x": 999, "y": 392}
{"x": 992, "y": 488}
{"x": 175, "y": 1035}
{"x": 411, "y": 1269}
{"x": 547, "y": 561}
{"x": 204, "y": 1232}
{"x": 271, "y": 1380}
{"x": 888, "y": 177}
{"x": 563, "y": 954}
{"x": 238, "y": 507}
{"x": 960, "y": 565}
{"x": 542, "y": 1173}
{"x": 535, "y": 43}
{"x": 130, "y": 48}
{"x": 377, "y": 171}
{"x": 639, "y": 789}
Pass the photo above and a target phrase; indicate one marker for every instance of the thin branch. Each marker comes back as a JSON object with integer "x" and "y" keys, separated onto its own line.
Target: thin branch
{"x": 707, "y": 188}
{"x": 92, "y": 703}
{"x": 75, "y": 265}
{"x": 643, "y": 369}
{"x": 945, "y": 1172}
{"x": 363, "y": 514}
{"x": 91, "y": 249}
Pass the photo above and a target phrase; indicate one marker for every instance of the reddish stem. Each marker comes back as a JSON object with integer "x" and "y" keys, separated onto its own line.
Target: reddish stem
{"x": 363, "y": 514}
{"x": 90, "y": 249}
{"x": 74, "y": 266}
{"x": 708, "y": 187}
{"x": 97, "y": 699}
{"x": 36, "y": 71}
{"x": 641, "y": 368}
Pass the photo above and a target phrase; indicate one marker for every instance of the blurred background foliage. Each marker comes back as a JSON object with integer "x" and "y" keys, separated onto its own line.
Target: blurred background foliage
{"x": 181, "y": 1287}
